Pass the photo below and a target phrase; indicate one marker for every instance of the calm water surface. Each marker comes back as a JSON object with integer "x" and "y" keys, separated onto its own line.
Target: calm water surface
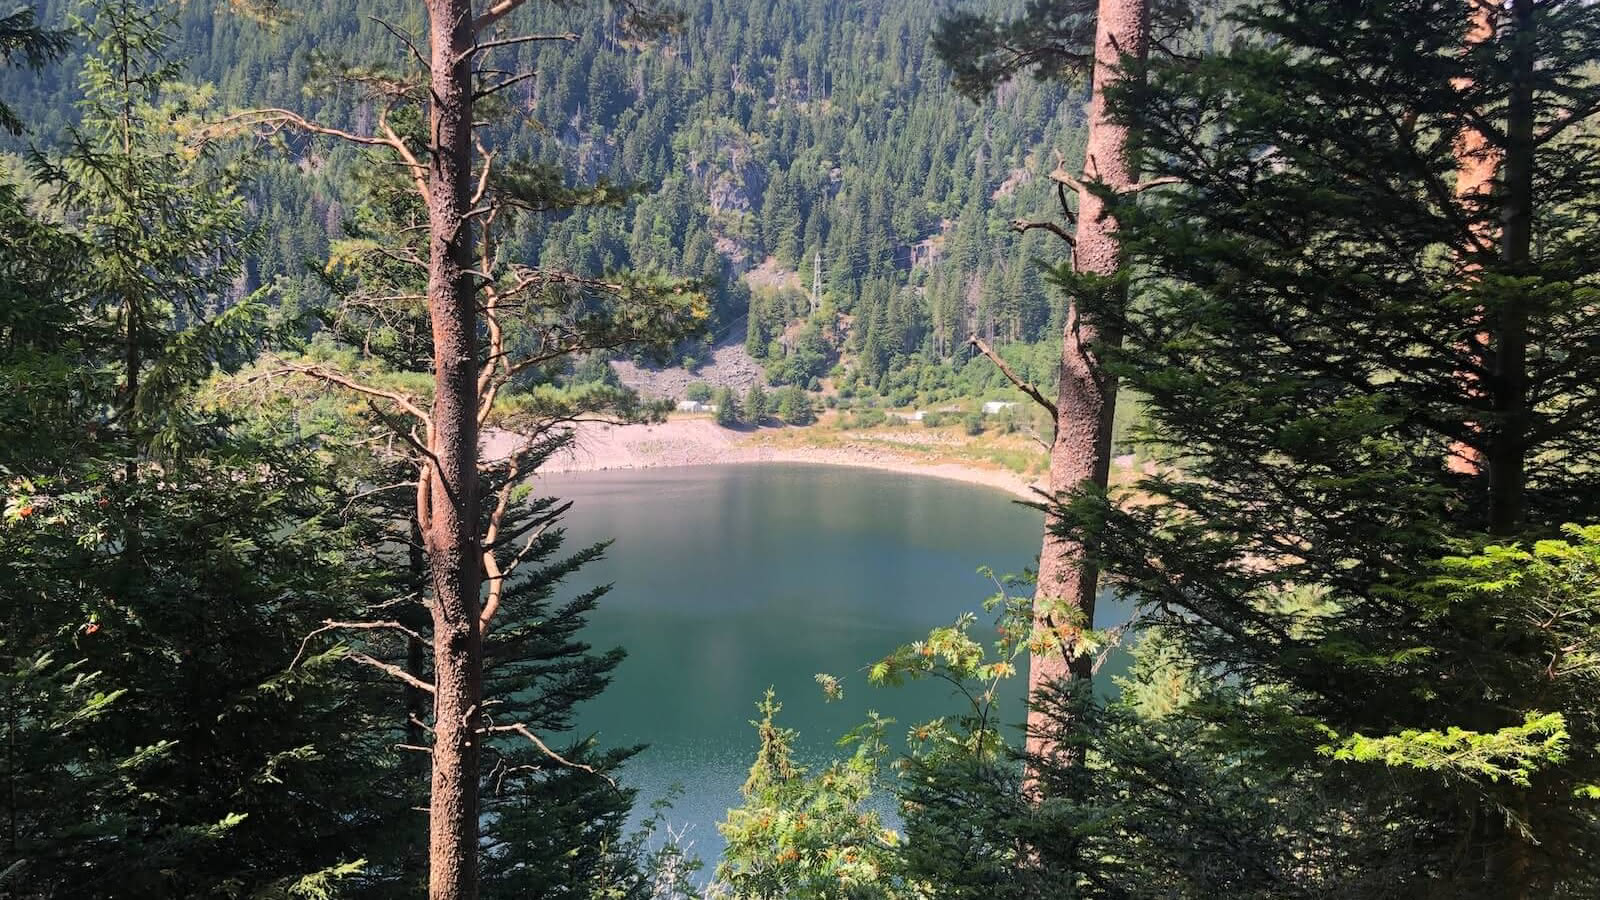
{"x": 729, "y": 579}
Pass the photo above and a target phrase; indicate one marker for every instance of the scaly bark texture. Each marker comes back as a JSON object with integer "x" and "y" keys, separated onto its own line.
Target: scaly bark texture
{"x": 1086, "y": 399}
{"x": 447, "y": 496}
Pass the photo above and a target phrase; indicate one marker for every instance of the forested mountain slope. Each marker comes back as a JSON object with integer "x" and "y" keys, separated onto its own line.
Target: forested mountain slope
{"x": 790, "y": 130}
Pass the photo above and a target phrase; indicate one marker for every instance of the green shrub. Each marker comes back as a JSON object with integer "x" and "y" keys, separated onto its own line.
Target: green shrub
{"x": 727, "y": 408}
{"x": 794, "y": 406}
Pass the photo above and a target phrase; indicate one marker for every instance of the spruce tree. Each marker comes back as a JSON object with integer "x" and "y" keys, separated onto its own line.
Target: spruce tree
{"x": 755, "y": 404}
{"x": 1324, "y": 325}
{"x": 163, "y": 559}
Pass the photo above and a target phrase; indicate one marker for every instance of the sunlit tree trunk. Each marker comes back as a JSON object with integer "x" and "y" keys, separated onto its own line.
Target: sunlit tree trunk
{"x": 1086, "y": 400}
{"x": 447, "y": 497}
{"x": 1476, "y": 162}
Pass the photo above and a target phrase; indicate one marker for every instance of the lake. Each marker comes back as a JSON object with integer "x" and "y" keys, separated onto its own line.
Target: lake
{"x": 729, "y": 579}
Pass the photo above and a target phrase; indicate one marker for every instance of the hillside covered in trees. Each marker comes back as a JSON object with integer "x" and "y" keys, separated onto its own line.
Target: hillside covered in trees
{"x": 296, "y": 303}
{"x": 767, "y": 135}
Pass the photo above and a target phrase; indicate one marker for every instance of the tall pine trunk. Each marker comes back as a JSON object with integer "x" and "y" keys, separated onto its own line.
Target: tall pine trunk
{"x": 447, "y": 502}
{"x": 1086, "y": 398}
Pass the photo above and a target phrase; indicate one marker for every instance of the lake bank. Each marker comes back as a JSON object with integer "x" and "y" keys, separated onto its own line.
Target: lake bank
{"x": 698, "y": 441}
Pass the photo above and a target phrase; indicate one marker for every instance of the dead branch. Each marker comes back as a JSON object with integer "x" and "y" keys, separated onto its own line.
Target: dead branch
{"x": 332, "y": 625}
{"x": 491, "y": 566}
{"x": 1025, "y": 387}
{"x": 1138, "y": 186}
{"x": 403, "y": 38}
{"x": 394, "y": 670}
{"x": 501, "y": 85}
{"x": 400, "y": 400}
{"x": 1023, "y": 226}
{"x": 544, "y": 748}
{"x": 376, "y": 490}
{"x": 513, "y": 41}
{"x": 1059, "y": 176}
{"x": 271, "y": 120}
{"x": 496, "y": 11}
{"x": 1066, "y": 211}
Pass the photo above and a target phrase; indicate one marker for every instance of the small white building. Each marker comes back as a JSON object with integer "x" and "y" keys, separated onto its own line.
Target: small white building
{"x": 695, "y": 406}
{"x": 916, "y": 416}
{"x": 994, "y": 407}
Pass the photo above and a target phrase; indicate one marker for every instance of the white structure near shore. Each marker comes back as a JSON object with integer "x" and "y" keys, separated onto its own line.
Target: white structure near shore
{"x": 695, "y": 406}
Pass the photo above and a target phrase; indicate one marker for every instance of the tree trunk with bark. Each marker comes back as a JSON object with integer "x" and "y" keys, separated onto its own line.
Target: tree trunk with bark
{"x": 447, "y": 495}
{"x": 1507, "y": 446}
{"x": 1086, "y": 399}
{"x": 1476, "y": 163}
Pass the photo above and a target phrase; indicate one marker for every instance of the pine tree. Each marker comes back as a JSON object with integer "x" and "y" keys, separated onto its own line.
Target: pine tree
{"x": 1110, "y": 42}
{"x": 755, "y": 404}
{"x": 456, "y": 301}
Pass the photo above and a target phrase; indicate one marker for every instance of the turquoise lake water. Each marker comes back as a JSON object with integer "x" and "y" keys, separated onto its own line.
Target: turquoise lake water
{"x": 730, "y": 579}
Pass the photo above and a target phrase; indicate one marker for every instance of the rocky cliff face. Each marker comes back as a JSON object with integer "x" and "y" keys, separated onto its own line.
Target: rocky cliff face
{"x": 730, "y": 366}
{"x": 725, "y": 169}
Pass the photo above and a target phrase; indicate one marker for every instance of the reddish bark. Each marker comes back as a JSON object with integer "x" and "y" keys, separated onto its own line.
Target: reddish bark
{"x": 1476, "y": 163}
{"x": 447, "y": 496}
{"x": 1086, "y": 399}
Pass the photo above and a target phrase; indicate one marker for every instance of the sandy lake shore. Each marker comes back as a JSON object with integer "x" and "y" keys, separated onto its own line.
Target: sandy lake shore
{"x": 698, "y": 441}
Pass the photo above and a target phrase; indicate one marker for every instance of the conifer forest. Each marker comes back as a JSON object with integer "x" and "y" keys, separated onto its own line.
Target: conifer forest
{"x": 855, "y": 449}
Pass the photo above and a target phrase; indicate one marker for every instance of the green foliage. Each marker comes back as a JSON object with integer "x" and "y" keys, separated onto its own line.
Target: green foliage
{"x": 794, "y": 406}
{"x": 157, "y": 740}
{"x": 870, "y": 417}
{"x": 1306, "y": 304}
{"x": 22, "y": 39}
{"x": 786, "y": 138}
{"x": 183, "y": 714}
{"x": 698, "y": 391}
{"x": 727, "y": 404}
{"x": 972, "y": 423}
{"x": 756, "y": 404}
{"x": 808, "y": 836}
